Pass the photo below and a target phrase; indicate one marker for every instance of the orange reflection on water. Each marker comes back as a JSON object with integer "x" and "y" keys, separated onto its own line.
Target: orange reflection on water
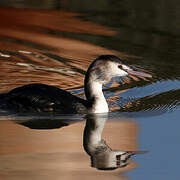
{"x": 58, "y": 153}
{"x": 25, "y": 30}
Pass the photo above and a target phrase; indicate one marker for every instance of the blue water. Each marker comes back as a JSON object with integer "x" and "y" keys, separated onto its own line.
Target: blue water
{"x": 160, "y": 136}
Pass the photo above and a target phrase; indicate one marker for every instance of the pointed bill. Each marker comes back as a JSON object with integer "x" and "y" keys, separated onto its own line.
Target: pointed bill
{"x": 138, "y": 73}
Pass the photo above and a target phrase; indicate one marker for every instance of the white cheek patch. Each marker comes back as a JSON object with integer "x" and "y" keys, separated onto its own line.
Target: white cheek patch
{"x": 114, "y": 70}
{"x": 125, "y": 67}
{"x": 123, "y": 73}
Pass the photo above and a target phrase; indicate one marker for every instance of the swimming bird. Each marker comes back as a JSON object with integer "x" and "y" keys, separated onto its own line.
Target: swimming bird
{"x": 46, "y": 98}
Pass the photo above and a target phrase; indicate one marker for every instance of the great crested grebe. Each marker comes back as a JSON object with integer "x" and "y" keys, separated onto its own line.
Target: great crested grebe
{"x": 45, "y": 98}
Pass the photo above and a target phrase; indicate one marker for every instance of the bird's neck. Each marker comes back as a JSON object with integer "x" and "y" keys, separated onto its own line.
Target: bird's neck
{"x": 95, "y": 96}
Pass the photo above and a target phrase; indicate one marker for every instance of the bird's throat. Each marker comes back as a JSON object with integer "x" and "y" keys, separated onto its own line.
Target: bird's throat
{"x": 94, "y": 94}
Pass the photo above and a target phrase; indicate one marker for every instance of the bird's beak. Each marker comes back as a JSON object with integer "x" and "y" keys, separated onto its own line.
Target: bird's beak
{"x": 138, "y": 73}
{"x": 122, "y": 159}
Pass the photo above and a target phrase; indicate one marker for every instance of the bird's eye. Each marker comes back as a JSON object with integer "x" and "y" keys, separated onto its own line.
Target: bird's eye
{"x": 120, "y": 66}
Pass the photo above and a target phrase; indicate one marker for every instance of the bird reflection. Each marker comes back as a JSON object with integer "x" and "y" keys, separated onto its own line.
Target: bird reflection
{"x": 46, "y": 122}
{"x": 43, "y": 123}
{"x": 101, "y": 155}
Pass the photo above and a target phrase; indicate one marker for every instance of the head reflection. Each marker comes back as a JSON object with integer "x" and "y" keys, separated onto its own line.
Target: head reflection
{"x": 101, "y": 155}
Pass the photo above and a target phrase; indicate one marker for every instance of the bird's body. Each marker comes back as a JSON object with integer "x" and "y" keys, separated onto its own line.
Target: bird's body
{"x": 45, "y": 98}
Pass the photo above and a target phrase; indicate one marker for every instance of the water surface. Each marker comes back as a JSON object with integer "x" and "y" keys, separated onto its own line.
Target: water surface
{"x": 53, "y": 43}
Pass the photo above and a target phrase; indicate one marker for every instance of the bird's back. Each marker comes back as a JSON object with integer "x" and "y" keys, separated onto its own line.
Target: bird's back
{"x": 43, "y": 98}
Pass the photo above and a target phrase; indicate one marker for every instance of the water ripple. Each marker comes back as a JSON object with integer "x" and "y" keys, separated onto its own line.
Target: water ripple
{"x": 166, "y": 101}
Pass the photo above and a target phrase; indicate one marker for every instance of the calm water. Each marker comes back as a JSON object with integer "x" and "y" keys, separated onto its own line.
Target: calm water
{"x": 53, "y": 43}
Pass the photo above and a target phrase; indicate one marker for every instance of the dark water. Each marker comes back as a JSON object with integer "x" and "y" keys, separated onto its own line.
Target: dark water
{"x": 48, "y": 47}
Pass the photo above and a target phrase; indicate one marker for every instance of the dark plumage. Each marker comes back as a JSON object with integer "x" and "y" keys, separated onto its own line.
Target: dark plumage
{"x": 43, "y": 98}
